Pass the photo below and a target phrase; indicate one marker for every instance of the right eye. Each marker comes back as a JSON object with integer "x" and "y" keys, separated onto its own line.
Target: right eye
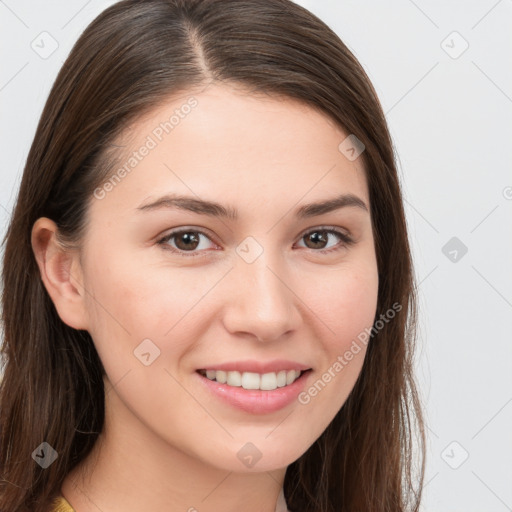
{"x": 186, "y": 241}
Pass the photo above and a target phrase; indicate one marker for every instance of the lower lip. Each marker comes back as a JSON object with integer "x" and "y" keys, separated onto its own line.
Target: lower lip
{"x": 256, "y": 401}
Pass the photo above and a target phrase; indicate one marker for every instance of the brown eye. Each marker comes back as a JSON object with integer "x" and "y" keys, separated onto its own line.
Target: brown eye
{"x": 187, "y": 242}
{"x": 318, "y": 238}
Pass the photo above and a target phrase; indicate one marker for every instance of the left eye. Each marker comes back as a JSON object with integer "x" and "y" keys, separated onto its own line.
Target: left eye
{"x": 188, "y": 240}
{"x": 320, "y": 236}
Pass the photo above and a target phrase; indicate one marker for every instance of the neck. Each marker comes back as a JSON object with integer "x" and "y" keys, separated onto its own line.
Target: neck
{"x": 131, "y": 468}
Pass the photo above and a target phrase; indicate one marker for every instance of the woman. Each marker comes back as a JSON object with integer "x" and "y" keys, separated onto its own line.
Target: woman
{"x": 208, "y": 291}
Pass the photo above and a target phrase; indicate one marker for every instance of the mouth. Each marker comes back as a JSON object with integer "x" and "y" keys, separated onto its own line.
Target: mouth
{"x": 254, "y": 393}
{"x": 254, "y": 381}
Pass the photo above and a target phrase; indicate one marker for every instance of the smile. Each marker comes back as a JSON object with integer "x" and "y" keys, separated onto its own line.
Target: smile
{"x": 250, "y": 380}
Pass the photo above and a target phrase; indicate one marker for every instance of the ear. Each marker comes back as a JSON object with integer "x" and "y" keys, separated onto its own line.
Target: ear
{"x": 61, "y": 273}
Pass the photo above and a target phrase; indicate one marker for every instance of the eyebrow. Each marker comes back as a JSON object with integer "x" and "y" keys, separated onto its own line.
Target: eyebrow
{"x": 214, "y": 209}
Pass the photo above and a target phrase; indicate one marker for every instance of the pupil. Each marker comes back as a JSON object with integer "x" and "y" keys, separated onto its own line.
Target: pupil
{"x": 187, "y": 237}
{"x": 317, "y": 238}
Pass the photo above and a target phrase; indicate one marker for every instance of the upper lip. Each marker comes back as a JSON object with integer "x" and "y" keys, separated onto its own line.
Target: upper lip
{"x": 257, "y": 366}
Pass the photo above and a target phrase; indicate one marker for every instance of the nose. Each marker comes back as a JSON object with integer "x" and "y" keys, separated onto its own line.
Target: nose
{"x": 262, "y": 302}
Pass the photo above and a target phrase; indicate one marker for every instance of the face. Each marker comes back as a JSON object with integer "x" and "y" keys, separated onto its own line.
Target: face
{"x": 260, "y": 284}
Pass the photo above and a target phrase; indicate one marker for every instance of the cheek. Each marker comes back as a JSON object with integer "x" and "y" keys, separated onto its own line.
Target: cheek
{"x": 131, "y": 300}
{"x": 346, "y": 305}
{"x": 346, "y": 302}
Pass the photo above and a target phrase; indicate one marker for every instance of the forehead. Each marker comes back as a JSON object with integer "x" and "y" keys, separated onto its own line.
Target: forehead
{"x": 226, "y": 141}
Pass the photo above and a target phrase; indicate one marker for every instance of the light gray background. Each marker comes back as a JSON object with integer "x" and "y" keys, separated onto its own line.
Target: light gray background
{"x": 450, "y": 114}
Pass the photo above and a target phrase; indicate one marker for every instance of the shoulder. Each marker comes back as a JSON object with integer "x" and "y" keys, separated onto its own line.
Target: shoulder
{"x": 60, "y": 504}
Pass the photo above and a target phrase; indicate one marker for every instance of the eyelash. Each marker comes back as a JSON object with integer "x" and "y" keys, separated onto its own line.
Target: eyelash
{"x": 346, "y": 241}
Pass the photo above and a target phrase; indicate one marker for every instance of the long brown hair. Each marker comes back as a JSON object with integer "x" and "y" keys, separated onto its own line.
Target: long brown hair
{"x": 128, "y": 60}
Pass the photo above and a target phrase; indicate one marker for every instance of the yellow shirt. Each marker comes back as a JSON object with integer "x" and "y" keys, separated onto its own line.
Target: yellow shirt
{"x": 61, "y": 504}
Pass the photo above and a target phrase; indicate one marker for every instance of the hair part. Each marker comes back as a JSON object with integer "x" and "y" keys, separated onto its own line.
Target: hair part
{"x": 130, "y": 59}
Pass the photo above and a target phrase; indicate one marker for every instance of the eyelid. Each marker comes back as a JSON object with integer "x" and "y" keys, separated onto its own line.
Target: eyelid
{"x": 337, "y": 229}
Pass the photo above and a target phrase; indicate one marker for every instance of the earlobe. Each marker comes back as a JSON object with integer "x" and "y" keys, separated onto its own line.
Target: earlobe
{"x": 61, "y": 273}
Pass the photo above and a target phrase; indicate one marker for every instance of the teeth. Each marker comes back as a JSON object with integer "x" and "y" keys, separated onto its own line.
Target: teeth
{"x": 220, "y": 376}
{"x": 281, "y": 379}
{"x": 250, "y": 380}
{"x": 268, "y": 381}
{"x": 234, "y": 379}
{"x": 291, "y": 376}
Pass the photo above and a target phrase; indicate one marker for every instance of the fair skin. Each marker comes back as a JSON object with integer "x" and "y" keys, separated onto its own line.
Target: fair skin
{"x": 167, "y": 443}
